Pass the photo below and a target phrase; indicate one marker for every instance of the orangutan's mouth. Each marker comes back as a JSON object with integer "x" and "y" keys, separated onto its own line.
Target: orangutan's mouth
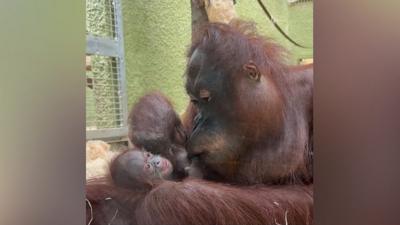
{"x": 165, "y": 166}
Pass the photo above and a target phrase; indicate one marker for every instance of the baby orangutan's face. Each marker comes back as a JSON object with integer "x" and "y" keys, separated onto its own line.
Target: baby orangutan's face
{"x": 143, "y": 163}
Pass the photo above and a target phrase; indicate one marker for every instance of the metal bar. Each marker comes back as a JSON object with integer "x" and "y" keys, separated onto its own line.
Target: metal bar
{"x": 107, "y": 115}
{"x": 101, "y": 46}
{"x": 121, "y": 61}
{"x": 111, "y": 48}
{"x": 111, "y": 108}
{"x": 106, "y": 133}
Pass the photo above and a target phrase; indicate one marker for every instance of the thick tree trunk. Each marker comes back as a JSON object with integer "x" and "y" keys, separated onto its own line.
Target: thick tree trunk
{"x": 204, "y": 11}
{"x": 199, "y": 16}
{"x": 222, "y": 11}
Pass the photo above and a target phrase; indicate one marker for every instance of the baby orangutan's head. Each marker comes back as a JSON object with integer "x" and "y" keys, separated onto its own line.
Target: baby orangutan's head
{"x": 139, "y": 169}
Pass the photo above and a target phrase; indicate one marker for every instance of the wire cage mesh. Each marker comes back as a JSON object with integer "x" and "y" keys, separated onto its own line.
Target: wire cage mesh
{"x": 100, "y": 18}
{"x": 106, "y": 111}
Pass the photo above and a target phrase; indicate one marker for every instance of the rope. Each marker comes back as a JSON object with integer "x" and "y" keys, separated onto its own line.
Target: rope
{"x": 278, "y": 27}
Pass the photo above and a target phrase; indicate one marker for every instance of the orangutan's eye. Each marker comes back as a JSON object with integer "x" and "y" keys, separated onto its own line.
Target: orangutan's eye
{"x": 193, "y": 100}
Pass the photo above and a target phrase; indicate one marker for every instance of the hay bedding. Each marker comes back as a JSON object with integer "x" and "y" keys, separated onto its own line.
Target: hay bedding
{"x": 98, "y": 158}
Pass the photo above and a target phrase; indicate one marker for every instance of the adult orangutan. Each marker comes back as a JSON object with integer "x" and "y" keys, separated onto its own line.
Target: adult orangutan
{"x": 252, "y": 114}
{"x": 249, "y": 125}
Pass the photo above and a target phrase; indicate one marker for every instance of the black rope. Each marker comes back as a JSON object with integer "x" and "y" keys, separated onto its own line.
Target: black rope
{"x": 278, "y": 27}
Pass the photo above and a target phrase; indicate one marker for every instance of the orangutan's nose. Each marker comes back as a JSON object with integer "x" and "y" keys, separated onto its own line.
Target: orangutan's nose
{"x": 196, "y": 122}
{"x": 205, "y": 95}
{"x": 193, "y": 145}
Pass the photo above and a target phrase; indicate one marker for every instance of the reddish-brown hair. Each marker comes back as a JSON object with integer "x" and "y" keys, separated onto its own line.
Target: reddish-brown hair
{"x": 199, "y": 202}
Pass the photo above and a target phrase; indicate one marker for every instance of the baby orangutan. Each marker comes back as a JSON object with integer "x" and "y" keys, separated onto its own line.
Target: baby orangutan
{"x": 136, "y": 169}
{"x": 156, "y": 127}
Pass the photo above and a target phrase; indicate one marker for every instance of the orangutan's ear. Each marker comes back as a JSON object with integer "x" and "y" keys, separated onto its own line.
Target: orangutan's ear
{"x": 252, "y": 71}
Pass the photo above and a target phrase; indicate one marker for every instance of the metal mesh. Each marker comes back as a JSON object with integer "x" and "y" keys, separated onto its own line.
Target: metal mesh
{"x": 106, "y": 100}
{"x": 100, "y": 18}
{"x": 103, "y": 95}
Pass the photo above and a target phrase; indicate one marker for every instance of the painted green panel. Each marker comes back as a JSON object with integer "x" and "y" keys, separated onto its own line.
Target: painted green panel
{"x": 301, "y": 28}
{"x": 295, "y": 19}
{"x": 251, "y": 10}
{"x": 156, "y": 35}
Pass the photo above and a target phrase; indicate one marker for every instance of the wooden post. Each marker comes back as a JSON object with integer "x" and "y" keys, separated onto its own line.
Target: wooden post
{"x": 199, "y": 16}
{"x": 203, "y": 11}
{"x": 221, "y": 11}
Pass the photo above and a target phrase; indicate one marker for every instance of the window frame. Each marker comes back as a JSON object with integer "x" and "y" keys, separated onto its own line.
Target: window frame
{"x": 112, "y": 47}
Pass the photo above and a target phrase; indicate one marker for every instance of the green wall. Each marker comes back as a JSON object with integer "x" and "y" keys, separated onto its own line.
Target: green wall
{"x": 295, "y": 19}
{"x": 157, "y": 33}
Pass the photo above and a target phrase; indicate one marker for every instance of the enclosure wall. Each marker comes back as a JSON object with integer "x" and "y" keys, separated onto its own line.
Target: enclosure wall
{"x": 157, "y": 32}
